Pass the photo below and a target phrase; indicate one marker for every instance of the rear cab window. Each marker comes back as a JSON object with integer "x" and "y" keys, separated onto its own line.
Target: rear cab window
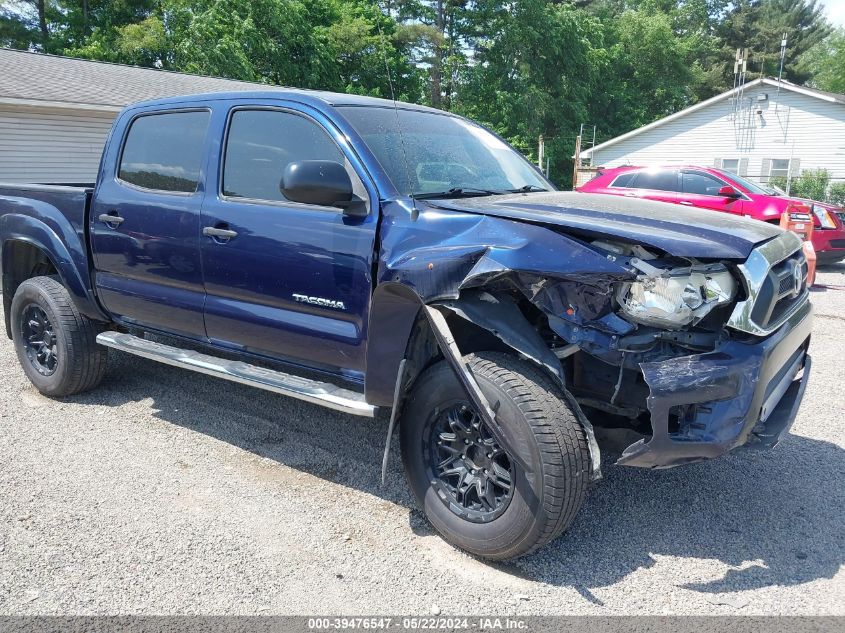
{"x": 165, "y": 151}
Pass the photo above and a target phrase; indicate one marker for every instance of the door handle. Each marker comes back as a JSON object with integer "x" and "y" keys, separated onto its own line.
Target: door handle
{"x": 686, "y": 203}
{"x": 219, "y": 234}
{"x": 111, "y": 218}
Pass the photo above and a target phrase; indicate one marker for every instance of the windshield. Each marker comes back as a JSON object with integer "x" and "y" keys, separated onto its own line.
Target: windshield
{"x": 753, "y": 187}
{"x": 441, "y": 154}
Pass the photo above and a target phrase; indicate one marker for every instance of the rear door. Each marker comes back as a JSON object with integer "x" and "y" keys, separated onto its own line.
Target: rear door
{"x": 701, "y": 190}
{"x": 288, "y": 280}
{"x": 144, "y": 223}
{"x": 656, "y": 184}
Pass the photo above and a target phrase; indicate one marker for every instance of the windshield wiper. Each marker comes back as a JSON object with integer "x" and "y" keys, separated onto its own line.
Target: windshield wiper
{"x": 456, "y": 192}
{"x": 527, "y": 189}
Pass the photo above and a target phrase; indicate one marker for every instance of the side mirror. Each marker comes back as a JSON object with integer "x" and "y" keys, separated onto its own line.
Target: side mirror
{"x": 729, "y": 192}
{"x": 321, "y": 182}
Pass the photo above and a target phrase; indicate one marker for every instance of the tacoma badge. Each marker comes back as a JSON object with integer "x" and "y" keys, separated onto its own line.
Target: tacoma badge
{"x": 319, "y": 301}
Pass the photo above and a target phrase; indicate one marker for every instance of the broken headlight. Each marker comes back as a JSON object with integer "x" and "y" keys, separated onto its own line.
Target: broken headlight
{"x": 673, "y": 299}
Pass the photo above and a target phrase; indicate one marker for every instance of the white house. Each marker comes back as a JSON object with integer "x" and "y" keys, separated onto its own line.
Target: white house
{"x": 55, "y": 112}
{"x": 765, "y": 128}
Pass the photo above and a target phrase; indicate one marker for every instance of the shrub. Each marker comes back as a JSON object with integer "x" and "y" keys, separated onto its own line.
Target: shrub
{"x": 836, "y": 194}
{"x": 812, "y": 184}
{"x": 778, "y": 181}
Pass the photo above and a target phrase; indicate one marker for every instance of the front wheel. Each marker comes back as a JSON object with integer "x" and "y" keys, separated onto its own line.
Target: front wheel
{"x": 470, "y": 489}
{"x": 55, "y": 344}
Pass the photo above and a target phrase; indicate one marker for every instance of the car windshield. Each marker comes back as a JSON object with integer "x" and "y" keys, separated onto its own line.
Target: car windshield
{"x": 440, "y": 155}
{"x": 753, "y": 187}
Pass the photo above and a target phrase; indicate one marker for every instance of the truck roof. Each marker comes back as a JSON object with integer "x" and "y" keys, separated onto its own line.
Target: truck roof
{"x": 314, "y": 97}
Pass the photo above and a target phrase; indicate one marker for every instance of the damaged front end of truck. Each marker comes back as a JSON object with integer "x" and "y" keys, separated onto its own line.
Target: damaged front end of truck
{"x": 698, "y": 354}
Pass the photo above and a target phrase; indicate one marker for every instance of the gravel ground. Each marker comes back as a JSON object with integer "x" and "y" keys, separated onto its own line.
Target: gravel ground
{"x": 167, "y": 492}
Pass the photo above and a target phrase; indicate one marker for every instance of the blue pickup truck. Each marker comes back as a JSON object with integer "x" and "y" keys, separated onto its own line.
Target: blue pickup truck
{"x": 363, "y": 254}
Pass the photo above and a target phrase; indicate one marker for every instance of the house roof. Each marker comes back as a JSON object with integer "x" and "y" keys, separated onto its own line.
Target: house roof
{"x": 28, "y": 78}
{"x": 812, "y": 92}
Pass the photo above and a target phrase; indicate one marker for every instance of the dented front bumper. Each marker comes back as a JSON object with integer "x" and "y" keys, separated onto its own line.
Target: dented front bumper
{"x": 740, "y": 394}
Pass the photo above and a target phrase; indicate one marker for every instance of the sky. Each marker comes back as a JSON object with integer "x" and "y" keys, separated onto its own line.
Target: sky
{"x": 835, "y": 11}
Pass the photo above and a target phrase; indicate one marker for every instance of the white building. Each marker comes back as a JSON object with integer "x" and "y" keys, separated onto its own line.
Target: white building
{"x": 762, "y": 130}
{"x": 55, "y": 112}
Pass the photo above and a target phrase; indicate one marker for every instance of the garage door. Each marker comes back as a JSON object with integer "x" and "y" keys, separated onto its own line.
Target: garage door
{"x": 51, "y": 145}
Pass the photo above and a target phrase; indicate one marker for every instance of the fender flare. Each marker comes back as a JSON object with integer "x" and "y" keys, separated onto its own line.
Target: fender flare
{"x": 66, "y": 253}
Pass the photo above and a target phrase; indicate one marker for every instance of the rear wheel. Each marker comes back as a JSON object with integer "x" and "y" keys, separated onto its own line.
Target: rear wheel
{"x": 55, "y": 344}
{"x": 468, "y": 485}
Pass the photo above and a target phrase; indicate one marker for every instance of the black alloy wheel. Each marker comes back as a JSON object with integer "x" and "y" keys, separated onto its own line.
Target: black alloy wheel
{"x": 472, "y": 474}
{"x": 39, "y": 339}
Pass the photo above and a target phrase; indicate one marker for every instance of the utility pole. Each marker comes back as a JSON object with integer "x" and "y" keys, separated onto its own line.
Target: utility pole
{"x": 576, "y": 162}
{"x": 541, "y": 151}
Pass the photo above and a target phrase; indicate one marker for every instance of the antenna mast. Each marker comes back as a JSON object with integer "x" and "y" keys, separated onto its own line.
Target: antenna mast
{"x": 780, "y": 71}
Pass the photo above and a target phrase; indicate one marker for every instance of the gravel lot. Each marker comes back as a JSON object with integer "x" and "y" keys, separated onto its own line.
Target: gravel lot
{"x": 169, "y": 492}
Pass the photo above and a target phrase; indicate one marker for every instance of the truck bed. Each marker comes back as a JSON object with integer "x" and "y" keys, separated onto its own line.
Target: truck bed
{"x": 70, "y": 201}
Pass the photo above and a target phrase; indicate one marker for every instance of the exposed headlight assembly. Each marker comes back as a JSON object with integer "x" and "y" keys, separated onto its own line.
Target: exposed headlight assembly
{"x": 823, "y": 216}
{"x": 672, "y": 299}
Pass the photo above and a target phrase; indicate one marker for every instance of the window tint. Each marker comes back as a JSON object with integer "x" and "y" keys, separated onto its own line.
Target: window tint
{"x": 662, "y": 180}
{"x": 624, "y": 180}
{"x": 260, "y": 145}
{"x": 701, "y": 183}
{"x": 165, "y": 151}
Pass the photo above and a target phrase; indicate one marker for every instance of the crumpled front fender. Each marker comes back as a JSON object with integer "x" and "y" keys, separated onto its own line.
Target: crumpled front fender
{"x": 560, "y": 275}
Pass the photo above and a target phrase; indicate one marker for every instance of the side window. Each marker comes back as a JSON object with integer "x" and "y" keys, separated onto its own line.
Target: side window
{"x": 624, "y": 181}
{"x": 701, "y": 183}
{"x": 165, "y": 151}
{"x": 662, "y": 180}
{"x": 260, "y": 145}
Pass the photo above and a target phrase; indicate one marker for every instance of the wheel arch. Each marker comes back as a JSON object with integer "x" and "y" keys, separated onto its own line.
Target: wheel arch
{"x": 478, "y": 320}
{"x": 41, "y": 252}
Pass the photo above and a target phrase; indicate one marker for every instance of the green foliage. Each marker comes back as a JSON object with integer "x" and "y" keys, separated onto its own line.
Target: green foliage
{"x": 523, "y": 67}
{"x": 758, "y": 26}
{"x": 779, "y": 182}
{"x": 827, "y": 59}
{"x": 836, "y": 194}
{"x": 813, "y": 184}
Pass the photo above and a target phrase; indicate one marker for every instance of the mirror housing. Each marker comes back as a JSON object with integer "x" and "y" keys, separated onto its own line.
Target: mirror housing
{"x": 729, "y": 192}
{"x": 321, "y": 182}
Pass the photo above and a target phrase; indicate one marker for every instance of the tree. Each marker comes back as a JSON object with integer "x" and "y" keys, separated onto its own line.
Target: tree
{"x": 535, "y": 73}
{"x": 650, "y": 71}
{"x": 24, "y": 24}
{"x": 758, "y": 25}
{"x": 827, "y": 63}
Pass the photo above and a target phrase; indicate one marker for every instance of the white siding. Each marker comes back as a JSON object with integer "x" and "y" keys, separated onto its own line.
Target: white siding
{"x": 802, "y": 127}
{"x": 51, "y": 144}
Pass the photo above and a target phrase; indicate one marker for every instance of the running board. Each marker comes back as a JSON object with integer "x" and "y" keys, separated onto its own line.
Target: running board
{"x": 321, "y": 393}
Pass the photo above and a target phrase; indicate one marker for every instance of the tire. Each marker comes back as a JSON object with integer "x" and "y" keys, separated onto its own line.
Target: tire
{"x": 72, "y": 362}
{"x": 535, "y": 410}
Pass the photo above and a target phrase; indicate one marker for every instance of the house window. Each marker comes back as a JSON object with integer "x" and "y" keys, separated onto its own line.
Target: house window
{"x": 731, "y": 165}
{"x": 779, "y": 168}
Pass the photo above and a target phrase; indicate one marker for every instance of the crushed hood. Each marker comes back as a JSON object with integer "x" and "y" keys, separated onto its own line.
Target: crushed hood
{"x": 677, "y": 230}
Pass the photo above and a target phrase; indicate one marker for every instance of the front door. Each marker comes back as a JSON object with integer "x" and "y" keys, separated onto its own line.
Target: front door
{"x": 145, "y": 223}
{"x": 701, "y": 190}
{"x": 283, "y": 279}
